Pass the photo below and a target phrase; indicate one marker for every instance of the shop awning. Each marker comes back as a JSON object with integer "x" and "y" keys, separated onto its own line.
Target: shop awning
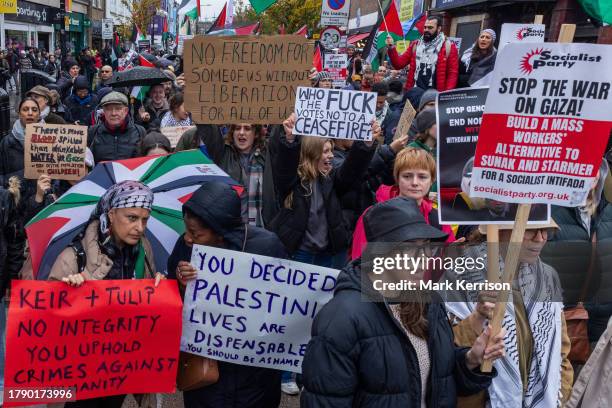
{"x": 357, "y": 37}
{"x": 451, "y": 4}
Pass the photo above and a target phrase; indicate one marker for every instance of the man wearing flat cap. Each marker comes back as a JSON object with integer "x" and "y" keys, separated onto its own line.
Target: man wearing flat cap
{"x": 115, "y": 136}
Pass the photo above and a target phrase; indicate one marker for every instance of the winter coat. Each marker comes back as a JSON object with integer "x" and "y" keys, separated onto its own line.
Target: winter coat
{"x": 54, "y": 119}
{"x": 64, "y": 84}
{"x": 385, "y": 193}
{"x": 118, "y": 144}
{"x": 228, "y": 158}
{"x": 291, "y": 223}
{"x": 52, "y": 68}
{"x": 98, "y": 264}
{"x": 7, "y": 232}
{"x": 82, "y": 113}
{"x": 476, "y": 69}
{"x": 592, "y": 388}
{"x": 360, "y": 356}
{"x": 447, "y": 67}
{"x": 570, "y": 250}
{"x": 239, "y": 385}
{"x": 389, "y": 124}
{"x": 25, "y": 63}
{"x": 155, "y": 115}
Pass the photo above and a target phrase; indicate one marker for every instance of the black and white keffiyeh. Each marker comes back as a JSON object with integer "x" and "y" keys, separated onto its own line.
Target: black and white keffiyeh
{"x": 427, "y": 56}
{"x": 126, "y": 194}
{"x": 540, "y": 288}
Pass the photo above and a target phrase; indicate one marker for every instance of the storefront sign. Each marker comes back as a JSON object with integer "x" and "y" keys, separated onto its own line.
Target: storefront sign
{"x": 33, "y": 13}
{"x": 8, "y": 6}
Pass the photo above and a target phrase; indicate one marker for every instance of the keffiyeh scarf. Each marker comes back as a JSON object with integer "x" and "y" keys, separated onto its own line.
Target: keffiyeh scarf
{"x": 427, "y": 54}
{"x": 127, "y": 194}
{"x": 540, "y": 288}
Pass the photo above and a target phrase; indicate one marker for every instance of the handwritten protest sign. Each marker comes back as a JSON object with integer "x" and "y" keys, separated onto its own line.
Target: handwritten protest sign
{"x": 104, "y": 338}
{"x": 55, "y": 150}
{"x": 251, "y": 309}
{"x": 174, "y": 133}
{"x": 335, "y": 113}
{"x": 521, "y": 33}
{"x": 459, "y": 115}
{"x": 336, "y": 65}
{"x": 246, "y": 79}
{"x": 546, "y": 124}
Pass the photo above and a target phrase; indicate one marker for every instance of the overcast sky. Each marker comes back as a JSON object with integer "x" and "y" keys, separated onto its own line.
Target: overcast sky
{"x": 211, "y": 8}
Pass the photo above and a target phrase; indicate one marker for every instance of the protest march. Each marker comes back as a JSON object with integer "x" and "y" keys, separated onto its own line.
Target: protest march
{"x": 314, "y": 203}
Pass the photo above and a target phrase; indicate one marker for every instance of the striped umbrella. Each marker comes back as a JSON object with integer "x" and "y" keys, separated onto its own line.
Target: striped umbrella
{"x": 173, "y": 179}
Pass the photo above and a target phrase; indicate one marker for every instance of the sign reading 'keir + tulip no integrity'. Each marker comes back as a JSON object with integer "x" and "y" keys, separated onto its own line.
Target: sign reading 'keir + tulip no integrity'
{"x": 245, "y": 79}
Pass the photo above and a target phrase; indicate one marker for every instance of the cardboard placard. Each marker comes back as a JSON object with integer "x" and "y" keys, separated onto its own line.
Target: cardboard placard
{"x": 55, "y": 150}
{"x": 459, "y": 115}
{"x": 104, "y": 338}
{"x": 403, "y": 126}
{"x": 547, "y": 120}
{"x": 335, "y": 113}
{"x": 245, "y": 79}
{"x": 252, "y": 310}
{"x": 174, "y": 133}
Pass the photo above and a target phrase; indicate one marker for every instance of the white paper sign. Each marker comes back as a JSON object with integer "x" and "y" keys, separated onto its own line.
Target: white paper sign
{"x": 335, "y": 13}
{"x": 336, "y": 65}
{"x": 335, "y": 113}
{"x": 521, "y": 33}
{"x": 252, "y": 310}
{"x": 546, "y": 123}
{"x": 107, "y": 29}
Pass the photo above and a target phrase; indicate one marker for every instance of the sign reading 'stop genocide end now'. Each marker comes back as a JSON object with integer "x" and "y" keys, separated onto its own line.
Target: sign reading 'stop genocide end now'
{"x": 335, "y": 113}
{"x": 55, "y": 150}
{"x": 546, "y": 124}
{"x": 103, "y": 338}
{"x": 251, "y": 309}
{"x": 245, "y": 79}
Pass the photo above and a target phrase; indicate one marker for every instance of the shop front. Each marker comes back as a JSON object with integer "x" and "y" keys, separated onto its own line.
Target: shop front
{"x": 32, "y": 26}
{"x": 75, "y": 32}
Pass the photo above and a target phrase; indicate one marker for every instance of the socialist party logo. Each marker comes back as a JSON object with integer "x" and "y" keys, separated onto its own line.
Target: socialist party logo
{"x": 527, "y": 32}
{"x": 541, "y": 58}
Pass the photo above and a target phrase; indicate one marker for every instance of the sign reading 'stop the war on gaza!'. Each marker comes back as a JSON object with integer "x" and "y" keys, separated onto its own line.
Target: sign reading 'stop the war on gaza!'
{"x": 245, "y": 79}
{"x": 546, "y": 124}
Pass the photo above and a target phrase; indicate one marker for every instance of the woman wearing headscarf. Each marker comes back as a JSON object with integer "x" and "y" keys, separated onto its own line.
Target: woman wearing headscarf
{"x": 113, "y": 244}
{"x": 478, "y": 60}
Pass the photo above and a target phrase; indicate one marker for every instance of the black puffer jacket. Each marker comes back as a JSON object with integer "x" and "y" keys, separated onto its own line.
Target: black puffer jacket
{"x": 239, "y": 386}
{"x": 117, "y": 144}
{"x": 360, "y": 356}
{"x": 75, "y": 111}
{"x": 291, "y": 224}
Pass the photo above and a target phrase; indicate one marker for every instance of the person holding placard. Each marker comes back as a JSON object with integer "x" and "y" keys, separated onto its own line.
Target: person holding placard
{"x": 536, "y": 372}
{"x": 245, "y": 155}
{"x": 414, "y": 171}
{"x": 310, "y": 224}
{"x": 478, "y": 60}
{"x": 212, "y": 217}
{"x": 375, "y": 349}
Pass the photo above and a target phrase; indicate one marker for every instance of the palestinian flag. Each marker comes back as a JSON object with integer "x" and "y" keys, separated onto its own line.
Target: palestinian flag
{"x": 137, "y": 34}
{"x": 244, "y": 30}
{"x": 389, "y": 25}
{"x": 317, "y": 60}
{"x": 188, "y": 11}
{"x": 140, "y": 92}
{"x": 261, "y": 5}
{"x": 413, "y": 29}
{"x": 303, "y": 31}
{"x": 600, "y": 10}
{"x": 220, "y": 22}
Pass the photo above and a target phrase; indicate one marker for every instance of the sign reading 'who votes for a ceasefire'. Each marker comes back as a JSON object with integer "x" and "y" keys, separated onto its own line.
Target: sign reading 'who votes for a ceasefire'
{"x": 245, "y": 79}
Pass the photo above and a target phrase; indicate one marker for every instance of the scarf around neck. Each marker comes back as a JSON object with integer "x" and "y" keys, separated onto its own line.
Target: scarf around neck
{"x": 380, "y": 115}
{"x": 19, "y": 131}
{"x": 45, "y": 112}
{"x": 427, "y": 53}
{"x": 83, "y": 101}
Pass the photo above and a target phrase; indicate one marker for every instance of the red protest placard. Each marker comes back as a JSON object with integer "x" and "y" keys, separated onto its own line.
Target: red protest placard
{"x": 104, "y": 338}
{"x": 547, "y": 119}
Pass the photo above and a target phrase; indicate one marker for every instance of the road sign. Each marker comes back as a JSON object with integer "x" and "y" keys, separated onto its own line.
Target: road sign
{"x": 330, "y": 37}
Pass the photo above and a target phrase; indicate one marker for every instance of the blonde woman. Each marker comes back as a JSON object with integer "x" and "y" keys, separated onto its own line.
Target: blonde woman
{"x": 310, "y": 224}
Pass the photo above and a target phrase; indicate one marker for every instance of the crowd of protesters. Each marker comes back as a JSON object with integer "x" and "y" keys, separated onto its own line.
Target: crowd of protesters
{"x": 319, "y": 201}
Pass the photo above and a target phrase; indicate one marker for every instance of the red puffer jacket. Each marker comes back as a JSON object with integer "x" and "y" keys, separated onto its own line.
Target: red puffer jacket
{"x": 447, "y": 68}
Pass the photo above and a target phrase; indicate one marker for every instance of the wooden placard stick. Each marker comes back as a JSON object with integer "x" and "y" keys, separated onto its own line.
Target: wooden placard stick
{"x": 493, "y": 253}
{"x": 539, "y": 18}
{"x": 511, "y": 262}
